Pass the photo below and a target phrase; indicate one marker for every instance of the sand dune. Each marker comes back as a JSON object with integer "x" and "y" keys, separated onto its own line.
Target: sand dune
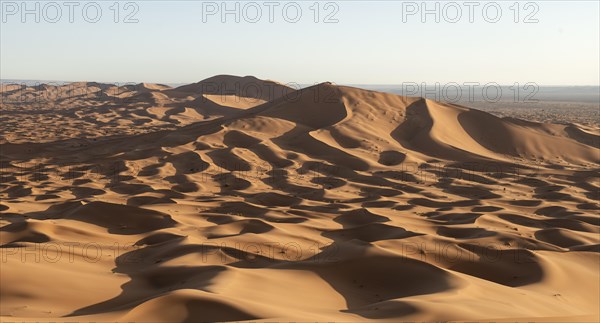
{"x": 240, "y": 199}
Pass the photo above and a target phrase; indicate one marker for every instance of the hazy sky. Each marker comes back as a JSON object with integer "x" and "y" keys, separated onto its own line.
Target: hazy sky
{"x": 372, "y": 42}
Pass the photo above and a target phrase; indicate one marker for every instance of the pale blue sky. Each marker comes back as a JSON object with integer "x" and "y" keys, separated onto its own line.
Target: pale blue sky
{"x": 370, "y": 44}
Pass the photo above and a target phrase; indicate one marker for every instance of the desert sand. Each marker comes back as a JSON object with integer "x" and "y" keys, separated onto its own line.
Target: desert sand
{"x": 240, "y": 199}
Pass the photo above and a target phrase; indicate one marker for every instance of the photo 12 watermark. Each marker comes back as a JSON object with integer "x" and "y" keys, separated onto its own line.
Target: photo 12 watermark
{"x": 69, "y": 12}
{"x": 225, "y": 252}
{"x": 53, "y": 93}
{"x": 470, "y": 12}
{"x": 326, "y": 12}
{"x": 455, "y": 92}
{"x": 113, "y": 173}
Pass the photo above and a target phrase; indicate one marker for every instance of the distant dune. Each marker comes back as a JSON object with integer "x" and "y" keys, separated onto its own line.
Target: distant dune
{"x": 238, "y": 199}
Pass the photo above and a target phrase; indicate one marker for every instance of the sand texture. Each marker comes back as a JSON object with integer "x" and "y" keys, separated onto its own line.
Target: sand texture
{"x": 240, "y": 199}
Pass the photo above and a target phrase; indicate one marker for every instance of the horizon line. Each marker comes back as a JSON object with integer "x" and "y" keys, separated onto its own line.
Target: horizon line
{"x": 46, "y": 81}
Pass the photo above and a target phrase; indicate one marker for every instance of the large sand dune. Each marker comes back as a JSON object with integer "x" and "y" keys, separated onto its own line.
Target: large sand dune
{"x": 241, "y": 199}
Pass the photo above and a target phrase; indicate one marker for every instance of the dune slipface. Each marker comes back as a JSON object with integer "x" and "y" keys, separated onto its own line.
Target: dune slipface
{"x": 239, "y": 199}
